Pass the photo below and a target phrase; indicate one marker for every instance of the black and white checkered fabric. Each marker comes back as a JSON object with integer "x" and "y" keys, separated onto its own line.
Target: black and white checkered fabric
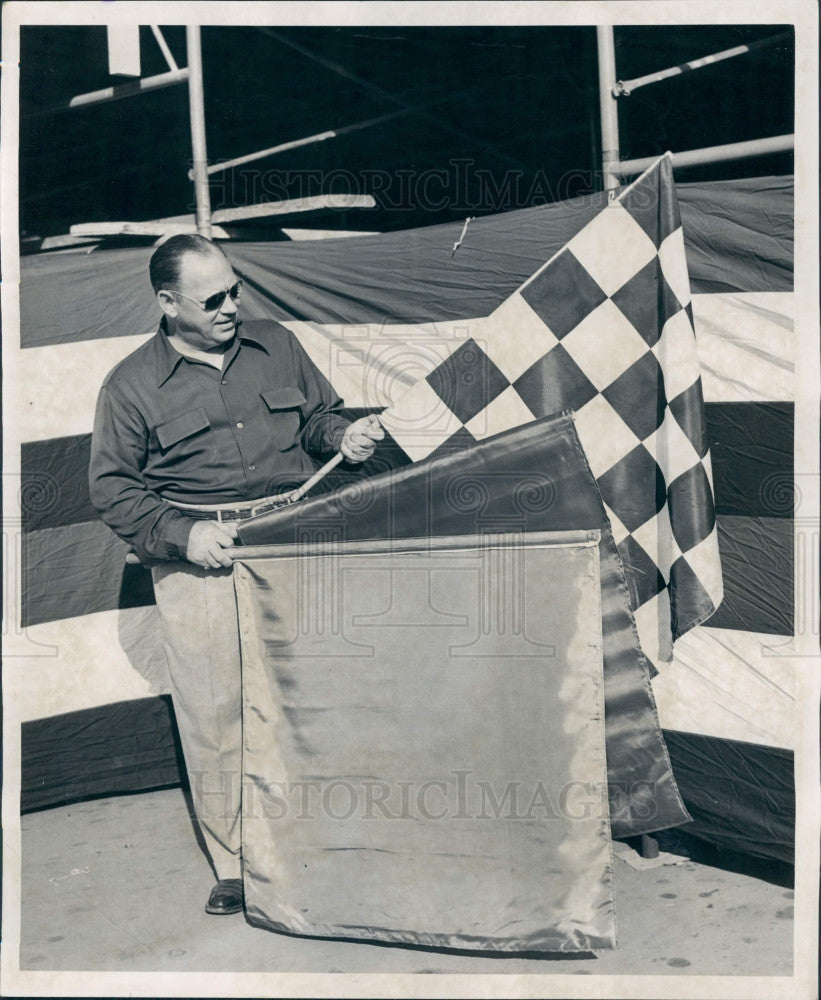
{"x": 603, "y": 329}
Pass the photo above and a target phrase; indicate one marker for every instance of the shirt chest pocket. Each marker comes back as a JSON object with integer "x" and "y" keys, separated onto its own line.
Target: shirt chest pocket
{"x": 180, "y": 428}
{"x": 282, "y": 410}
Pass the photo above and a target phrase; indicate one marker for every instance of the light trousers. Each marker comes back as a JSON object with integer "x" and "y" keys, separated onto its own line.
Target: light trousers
{"x": 198, "y": 611}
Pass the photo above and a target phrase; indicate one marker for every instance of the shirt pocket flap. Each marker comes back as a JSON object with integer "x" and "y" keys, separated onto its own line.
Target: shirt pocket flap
{"x": 288, "y": 398}
{"x": 183, "y": 426}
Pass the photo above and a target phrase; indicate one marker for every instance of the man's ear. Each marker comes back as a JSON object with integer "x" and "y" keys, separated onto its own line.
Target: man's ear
{"x": 168, "y": 303}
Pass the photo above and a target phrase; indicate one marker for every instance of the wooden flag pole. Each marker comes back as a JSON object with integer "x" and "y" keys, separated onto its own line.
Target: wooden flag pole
{"x": 321, "y": 473}
{"x": 315, "y": 478}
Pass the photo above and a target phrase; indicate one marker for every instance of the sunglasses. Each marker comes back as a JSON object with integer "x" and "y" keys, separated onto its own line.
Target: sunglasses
{"x": 215, "y": 301}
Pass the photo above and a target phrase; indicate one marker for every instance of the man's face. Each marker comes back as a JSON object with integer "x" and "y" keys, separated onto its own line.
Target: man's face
{"x": 201, "y": 275}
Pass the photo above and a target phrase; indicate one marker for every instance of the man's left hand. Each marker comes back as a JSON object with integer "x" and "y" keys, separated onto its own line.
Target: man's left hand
{"x": 360, "y": 438}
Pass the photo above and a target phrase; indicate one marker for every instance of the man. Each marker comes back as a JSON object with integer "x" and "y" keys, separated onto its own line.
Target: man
{"x": 207, "y": 423}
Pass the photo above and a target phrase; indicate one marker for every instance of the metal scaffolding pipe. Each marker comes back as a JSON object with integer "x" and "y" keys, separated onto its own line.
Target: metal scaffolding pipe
{"x": 623, "y": 88}
{"x": 172, "y": 63}
{"x": 309, "y": 140}
{"x": 608, "y": 107}
{"x": 292, "y": 205}
{"x": 130, "y": 89}
{"x": 713, "y": 154}
{"x": 218, "y": 168}
{"x": 196, "y": 103}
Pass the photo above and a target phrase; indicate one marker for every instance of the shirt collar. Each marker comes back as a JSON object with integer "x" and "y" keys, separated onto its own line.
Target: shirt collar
{"x": 168, "y": 358}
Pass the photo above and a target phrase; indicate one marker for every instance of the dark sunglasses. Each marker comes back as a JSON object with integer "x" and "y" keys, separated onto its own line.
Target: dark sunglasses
{"x": 215, "y": 301}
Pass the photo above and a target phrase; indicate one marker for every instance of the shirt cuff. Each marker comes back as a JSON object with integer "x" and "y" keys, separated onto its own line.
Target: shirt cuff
{"x": 337, "y": 435}
{"x": 176, "y": 531}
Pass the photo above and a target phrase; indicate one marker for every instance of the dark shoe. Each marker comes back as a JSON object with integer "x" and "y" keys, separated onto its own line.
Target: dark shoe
{"x": 226, "y": 897}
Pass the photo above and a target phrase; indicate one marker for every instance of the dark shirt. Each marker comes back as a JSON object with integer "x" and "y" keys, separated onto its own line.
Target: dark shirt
{"x": 168, "y": 427}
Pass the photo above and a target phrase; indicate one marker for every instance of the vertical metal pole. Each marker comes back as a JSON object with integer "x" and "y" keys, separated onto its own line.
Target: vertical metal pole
{"x": 608, "y": 107}
{"x": 197, "y": 109}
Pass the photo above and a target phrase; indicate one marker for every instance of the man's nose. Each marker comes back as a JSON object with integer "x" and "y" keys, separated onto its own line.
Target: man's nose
{"x": 229, "y": 306}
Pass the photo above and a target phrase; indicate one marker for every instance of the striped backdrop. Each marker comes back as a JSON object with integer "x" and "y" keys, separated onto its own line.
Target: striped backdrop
{"x": 376, "y": 313}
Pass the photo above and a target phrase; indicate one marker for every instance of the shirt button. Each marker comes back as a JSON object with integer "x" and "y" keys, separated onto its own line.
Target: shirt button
{"x": 224, "y": 381}
{"x": 240, "y": 424}
{"x": 252, "y": 468}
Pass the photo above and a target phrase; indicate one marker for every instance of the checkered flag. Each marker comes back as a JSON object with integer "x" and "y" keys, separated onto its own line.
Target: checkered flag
{"x": 604, "y": 329}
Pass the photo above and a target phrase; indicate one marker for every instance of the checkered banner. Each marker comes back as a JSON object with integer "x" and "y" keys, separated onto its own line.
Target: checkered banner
{"x": 604, "y": 329}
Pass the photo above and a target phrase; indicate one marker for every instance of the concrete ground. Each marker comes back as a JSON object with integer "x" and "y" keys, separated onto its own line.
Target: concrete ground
{"x": 119, "y": 884}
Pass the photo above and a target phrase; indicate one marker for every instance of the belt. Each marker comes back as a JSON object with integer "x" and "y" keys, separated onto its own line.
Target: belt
{"x": 231, "y": 512}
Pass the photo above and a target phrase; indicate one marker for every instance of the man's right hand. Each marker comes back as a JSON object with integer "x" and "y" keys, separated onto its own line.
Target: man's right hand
{"x": 207, "y": 544}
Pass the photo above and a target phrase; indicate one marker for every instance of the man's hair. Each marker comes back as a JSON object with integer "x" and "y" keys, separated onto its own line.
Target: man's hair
{"x": 166, "y": 261}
